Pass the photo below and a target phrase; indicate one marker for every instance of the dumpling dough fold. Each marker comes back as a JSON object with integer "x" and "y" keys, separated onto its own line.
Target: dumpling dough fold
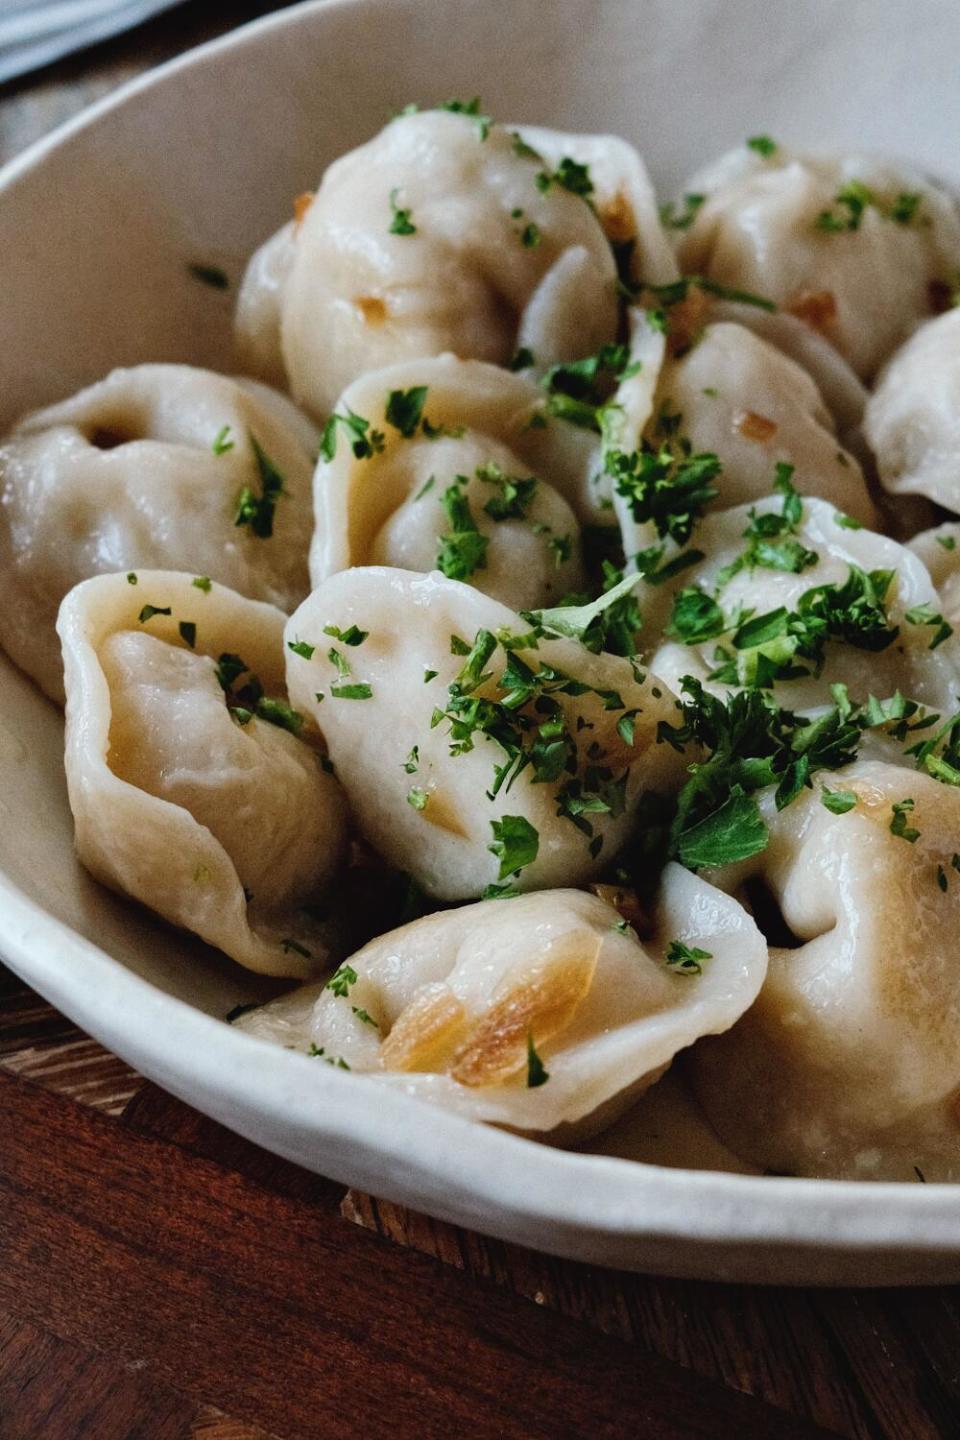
{"x": 147, "y": 467}
{"x": 222, "y": 822}
{"x": 446, "y": 1008}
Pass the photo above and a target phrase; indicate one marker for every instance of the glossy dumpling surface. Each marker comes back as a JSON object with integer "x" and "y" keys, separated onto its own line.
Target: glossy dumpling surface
{"x": 849, "y": 1062}
{"x": 448, "y": 1007}
{"x": 877, "y": 623}
{"x": 436, "y": 236}
{"x": 149, "y": 468}
{"x": 466, "y": 768}
{"x": 913, "y": 418}
{"x": 457, "y": 457}
{"x": 824, "y": 237}
{"x": 218, "y": 818}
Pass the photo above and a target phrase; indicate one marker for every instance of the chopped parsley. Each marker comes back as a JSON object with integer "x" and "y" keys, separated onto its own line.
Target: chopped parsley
{"x": 258, "y": 511}
{"x": 926, "y": 615}
{"x": 342, "y": 981}
{"x": 417, "y": 798}
{"x": 148, "y": 612}
{"x": 364, "y": 440}
{"x": 294, "y": 947}
{"x": 676, "y": 291}
{"x": 222, "y": 442}
{"x": 578, "y": 389}
{"x": 615, "y": 613}
{"x": 245, "y": 698}
{"x": 771, "y": 542}
{"x": 685, "y": 959}
{"x": 515, "y": 844}
{"x": 359, "y": 690}
{"x": 899, "y": 826}
{"x": 202, "y": 582}
{"x": 838, "y": 802}
{"x": 665, "y": 484}
{"x": 949, "y": 542}
{"x": 188, "y": 633}
{"x": 847, "y": 522}
{"x": 522, "y": 360}
{"x": 412, "y": 762}
{"x": 537, "y": 1075}
{"x": 854, "y": 199}
{"x": 279, "y": 713}
{"x": 401, "y": 224}
{"x": 514, "y": 493}
{"x": 211, "y": 275}
{"x": 569, "y": 175}
{"x": 238, "y": 1010}
{"x": 470, "y": 108}
{"x": 405, "y": 409}
{"x": 675, "y": 219}
{"x": 351, "y": 636}
{"x": 131, "y": 577}
{"x": 463, "y": 549}
{"x": 302, "y": 648}
{"x": 763, "y": 145}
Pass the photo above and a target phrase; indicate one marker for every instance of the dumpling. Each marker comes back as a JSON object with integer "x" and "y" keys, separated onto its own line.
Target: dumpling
{"x": 790, "y": 596}
{"x": 826, "y": 237}
{"x": 939, "y": 550}
{"x": 467, "y": 764}
{"x": 721, "y": 415}
{"x": 190, "y": 786}
{"x": 547, "y": 1014}
{"x": 438, "y": 234}
{"x": 459, "y": 479}
{"x": 259, "y": 304}
{"x": 753, "y": 406}
{"x": 913, "y": 418}
{"x": 848, "y": 1064}
{"x": 159, "y": 465}
{"x": 622, "y": 193}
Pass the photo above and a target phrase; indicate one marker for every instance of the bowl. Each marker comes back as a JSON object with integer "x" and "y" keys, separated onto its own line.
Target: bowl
{"x": 195, "y": 164}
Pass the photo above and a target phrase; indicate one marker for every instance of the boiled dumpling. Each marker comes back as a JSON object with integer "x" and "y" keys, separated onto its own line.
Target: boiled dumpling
{"x": 436, "y": 235}
{"x": 848, "y": 1064}
{"x": 158, "y": 465}
{"x": 913, "y": 418}
{"x": 790, "y": 596}
{"x": 544, "y": 1014}
{"x": 259, "y": 306}
{"x": 722, "y": 415}
{"x": 859, "y": 248}
{"x": 466, "y": 763}
{"x": 622, "y": 194}
{"x": 939, "y": 550}
{"x": 458, "y": 479}
{"x": 221, "y": 819}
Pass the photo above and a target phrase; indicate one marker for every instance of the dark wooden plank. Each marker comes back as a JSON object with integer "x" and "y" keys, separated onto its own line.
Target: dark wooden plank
{"x": 52, "y": 1390}
{"x": 223, "y": 1287}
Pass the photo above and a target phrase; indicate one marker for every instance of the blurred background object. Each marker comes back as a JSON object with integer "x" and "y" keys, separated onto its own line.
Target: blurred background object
{"x": 34, "y": 33}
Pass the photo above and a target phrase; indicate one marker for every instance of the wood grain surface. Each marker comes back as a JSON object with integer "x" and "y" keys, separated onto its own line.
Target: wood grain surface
{"x": 160, "y": 1277}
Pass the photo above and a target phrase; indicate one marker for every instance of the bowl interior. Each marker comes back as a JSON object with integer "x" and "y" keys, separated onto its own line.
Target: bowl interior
{"x": 99, "y": 226}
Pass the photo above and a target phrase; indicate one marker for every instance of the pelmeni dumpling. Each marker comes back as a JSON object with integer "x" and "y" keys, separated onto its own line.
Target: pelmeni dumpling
{"x": 848, "y": 1064}
{"x": 260, "y": 304}
{"x": 423, "y": 734}
{"x": 547, "y": 1014}
{"x": 727, "y": 626}
{"x": 913, "y": 418}
{"x": 622, "y": 194}
{"x": 434, "y": 236}
{"x": 939, "y": 550}
{"x": 458, "y": 459}
{"x": 731, "y": 398}
{"x": 841, "y": 390}
{"x": 826, "y": 237}
{"x": 752, "y": 405}
{"x": 150, "y": 466}
{"x": 221, "y": 821}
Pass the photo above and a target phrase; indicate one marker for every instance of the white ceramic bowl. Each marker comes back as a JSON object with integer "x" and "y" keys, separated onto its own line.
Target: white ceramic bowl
{"x": 198, "y": 162}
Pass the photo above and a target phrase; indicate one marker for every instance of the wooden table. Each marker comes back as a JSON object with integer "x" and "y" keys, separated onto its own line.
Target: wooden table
{"x": 161, "y": 1278}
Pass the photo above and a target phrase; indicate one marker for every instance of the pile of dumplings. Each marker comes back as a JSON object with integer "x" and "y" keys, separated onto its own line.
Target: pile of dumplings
{"x": 543, "y": 647}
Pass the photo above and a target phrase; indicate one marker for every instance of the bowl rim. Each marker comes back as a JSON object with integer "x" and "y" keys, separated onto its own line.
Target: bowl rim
{"x": 488, "y": 1172}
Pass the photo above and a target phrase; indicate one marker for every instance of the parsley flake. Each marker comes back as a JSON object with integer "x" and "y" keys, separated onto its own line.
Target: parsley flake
{"x": 515, "y": 844}
{"x": 537, "y": 1075}
{"x": 258, "y": 511}
{"x": 401, "y": 224}
{"x": 685, "y": 959}
{"x": 222, "y": 442}
{"x": 148, "y": 612}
